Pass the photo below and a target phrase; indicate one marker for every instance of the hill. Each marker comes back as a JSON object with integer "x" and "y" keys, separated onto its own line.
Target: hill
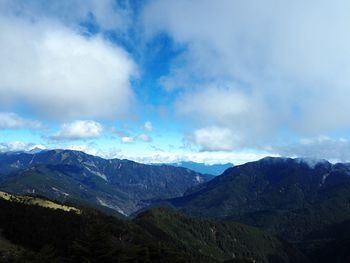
{"x": 295, "y": 199}
{"x": 120, "y": 185}
{"x": 221, "y": 241}
{"x": 39, "y": 234}
{"x": 31, "y": 200}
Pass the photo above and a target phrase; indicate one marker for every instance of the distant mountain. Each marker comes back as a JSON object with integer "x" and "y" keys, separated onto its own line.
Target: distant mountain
{"x": 37, "y": 234}
{"x": 117, "y": 185}
{"x": 296, "y": 199}
{"x": 213, "y": 169}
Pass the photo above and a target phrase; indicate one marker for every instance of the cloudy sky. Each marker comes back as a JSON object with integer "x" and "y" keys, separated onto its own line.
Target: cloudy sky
{"x": 164, "y": 80}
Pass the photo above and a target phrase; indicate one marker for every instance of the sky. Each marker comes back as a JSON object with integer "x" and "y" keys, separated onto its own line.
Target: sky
{"x": 165, "y": 81}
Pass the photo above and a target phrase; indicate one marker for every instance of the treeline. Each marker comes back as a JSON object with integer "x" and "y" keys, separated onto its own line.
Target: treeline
{"x": 56, "y": 236}
{"x": 155, "y": 236}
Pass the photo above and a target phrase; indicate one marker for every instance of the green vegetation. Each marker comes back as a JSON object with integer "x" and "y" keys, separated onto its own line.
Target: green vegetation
{"x": 288, "y": 198}
{"x": 121, "y": 186}
{"x": 31, "y": 200}
{"x": 48, "y": 235}
{"x": 36, "y": 234}
{"x": 309, "y": 207}
{"x": 218, "y": 241}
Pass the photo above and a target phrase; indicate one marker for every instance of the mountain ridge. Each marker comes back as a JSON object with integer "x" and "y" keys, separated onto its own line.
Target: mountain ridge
{"x": 121, "y": 185}
{"x": 274, "y": 190}
{"x": 38, "y": 234}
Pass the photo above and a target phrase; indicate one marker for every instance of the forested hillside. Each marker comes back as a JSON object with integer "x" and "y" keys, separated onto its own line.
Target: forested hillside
{"x": 37, "y": 234}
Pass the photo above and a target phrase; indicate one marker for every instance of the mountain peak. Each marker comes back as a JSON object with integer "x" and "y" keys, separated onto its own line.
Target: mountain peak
{"x": 67, "y": 174}
{"x": 311, "y": 162}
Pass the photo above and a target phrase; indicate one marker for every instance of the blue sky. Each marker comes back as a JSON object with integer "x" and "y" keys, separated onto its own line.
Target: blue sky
{"x": 164, "y": 81}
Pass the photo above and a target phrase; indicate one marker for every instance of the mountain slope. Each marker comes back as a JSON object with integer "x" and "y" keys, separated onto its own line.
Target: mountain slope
{"x": 222, "y": 241}
{"x": 159, "y": 235}
{"x": 292, "y": 198}
{"x": 31, "y": 200}
{"x": 120, "y": 185}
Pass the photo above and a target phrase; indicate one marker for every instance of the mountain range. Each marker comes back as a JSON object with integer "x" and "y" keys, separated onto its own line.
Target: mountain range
{"x": 299, "y": 207}
{"x": 116, "y": 185}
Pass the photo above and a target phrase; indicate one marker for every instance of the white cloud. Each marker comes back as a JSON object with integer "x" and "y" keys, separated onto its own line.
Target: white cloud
{"x": 271, "y": 66}
{"x": 148, "y": 126}
{"x": 108, "y": 14}
{"x": 321, "y": 147}
{"x": 13, "y": 146}
{"x": 200, "y": 157}
{"x": 215, "y": 139}
{"x": 19, "y": 146}
{"x": 127, "y": 139}
{"x": 147, "y": 157}
{"x": 84, "y": 148}
{"x": 10, "y": 120}
{"x": 143, "y": 137}
{"x": 240, "y": 115}
{"x": 214, "y": 103}
{"x": 79, "y": 130}
{"x": 60, "y": 73}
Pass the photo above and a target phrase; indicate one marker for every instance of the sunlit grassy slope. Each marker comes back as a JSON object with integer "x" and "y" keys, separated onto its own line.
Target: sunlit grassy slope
{"x": 30, "y": 200}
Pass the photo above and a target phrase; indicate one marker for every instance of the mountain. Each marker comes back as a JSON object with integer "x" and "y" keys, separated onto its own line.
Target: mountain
{"x": 296, "y": 199}
{"x": 38, "y": 234}
{"x": 117, "y": 185}
{"x": 222, "y": 241}
{"x": 303, "y": 201}
{"x": 213, "y": 169}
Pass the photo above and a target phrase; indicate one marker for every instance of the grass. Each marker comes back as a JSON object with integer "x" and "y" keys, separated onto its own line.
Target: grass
{"x": 30, "y": 200}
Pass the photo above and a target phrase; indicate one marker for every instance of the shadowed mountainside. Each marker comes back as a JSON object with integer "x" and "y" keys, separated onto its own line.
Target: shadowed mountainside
{"x": 37, "y": 234}
{"x": 120, "y": 185}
